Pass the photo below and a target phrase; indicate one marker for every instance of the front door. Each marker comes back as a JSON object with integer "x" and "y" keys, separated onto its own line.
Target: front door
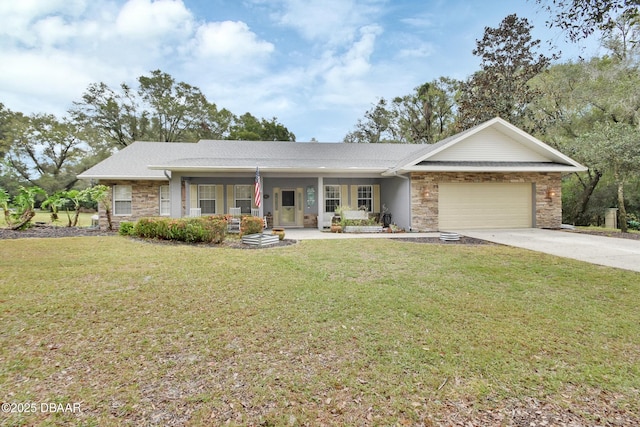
{"x": 288, "y": 207}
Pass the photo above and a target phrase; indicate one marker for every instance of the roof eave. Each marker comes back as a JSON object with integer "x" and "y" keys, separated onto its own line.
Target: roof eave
{"x": 124, "y": 177}
{"x": 265, "y": 169}
{"x": 436, "y": 168}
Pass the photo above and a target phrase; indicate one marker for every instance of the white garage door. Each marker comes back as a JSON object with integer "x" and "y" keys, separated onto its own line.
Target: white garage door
{"x": 484, "y": 205}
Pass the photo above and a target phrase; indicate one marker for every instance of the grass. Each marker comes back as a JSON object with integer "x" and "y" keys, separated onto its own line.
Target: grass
{"x": 84, "y": 219}
{"x": 346, "y": 332}
{"x": 604, "y": 230}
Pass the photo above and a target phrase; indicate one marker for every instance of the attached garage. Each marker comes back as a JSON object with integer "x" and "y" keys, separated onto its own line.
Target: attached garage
{"x": 485, "y": 205}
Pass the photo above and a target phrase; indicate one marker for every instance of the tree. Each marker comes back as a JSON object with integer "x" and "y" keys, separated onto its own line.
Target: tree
{"x": 24, "y": 202}
{"x": 376, "y": 126}
{"x": 102, "y": 195}
{"x": 579, "y": 97}
{"x": 615, "y": 146}
{"x": 177, "y": 110}
{"x": 422, "y": 117}
{"x": 501, "y": 87}
{"x": 44, "y": 151}
{"x": 580, "y": 18}
{"x": 248, "y": 128}
{"x": 6, "y": 116}
{"x": 621, "y": 37}
{"x": 426, "y": 116}
{"x": 116, "y": 116}
{"x": 162, "y": 109}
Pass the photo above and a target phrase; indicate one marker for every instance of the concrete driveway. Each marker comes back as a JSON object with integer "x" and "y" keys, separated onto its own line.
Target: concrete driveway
{"x": 608, "y": 251}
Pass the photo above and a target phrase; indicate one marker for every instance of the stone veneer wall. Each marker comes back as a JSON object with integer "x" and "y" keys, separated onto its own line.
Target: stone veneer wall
{"x": 424, "y": 195}
{"x": 145, "y": 201}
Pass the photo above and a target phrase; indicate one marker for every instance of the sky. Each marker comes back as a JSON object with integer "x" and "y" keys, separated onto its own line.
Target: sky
{"x": 315, "y": 65}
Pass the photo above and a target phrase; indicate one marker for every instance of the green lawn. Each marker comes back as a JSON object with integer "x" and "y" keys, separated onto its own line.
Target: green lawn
{"x": 84, "y": 220}
{"x": 346, "y": 332}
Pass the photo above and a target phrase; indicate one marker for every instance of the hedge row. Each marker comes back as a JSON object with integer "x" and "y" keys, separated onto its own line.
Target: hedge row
{"x": 211, "y": 229}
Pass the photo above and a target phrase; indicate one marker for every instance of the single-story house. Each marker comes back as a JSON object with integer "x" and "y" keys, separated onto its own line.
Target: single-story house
{"x": 493, "y": 175}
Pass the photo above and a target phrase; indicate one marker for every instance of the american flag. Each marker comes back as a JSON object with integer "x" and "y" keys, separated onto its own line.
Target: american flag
{"x": 258, "y": 194}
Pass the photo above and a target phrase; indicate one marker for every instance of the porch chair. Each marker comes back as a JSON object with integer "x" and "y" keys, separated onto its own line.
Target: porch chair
{"x": 256, "y": 212}
{"x": 233, "y": 226}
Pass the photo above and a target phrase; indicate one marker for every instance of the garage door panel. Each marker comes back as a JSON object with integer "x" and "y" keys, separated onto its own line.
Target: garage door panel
{"x": 484, "y": 205}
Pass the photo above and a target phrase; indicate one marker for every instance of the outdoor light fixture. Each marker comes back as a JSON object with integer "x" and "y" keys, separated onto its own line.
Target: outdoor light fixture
{"x": 550, "y": 193}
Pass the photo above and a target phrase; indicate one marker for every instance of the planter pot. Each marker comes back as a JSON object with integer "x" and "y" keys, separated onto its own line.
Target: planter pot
{"x": 336, "y": 228}
{"x": 279, "y": 232}
{"x": 363, "y": 229}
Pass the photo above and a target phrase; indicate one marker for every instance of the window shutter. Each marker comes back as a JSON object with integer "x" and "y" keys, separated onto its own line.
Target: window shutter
{"x": 193, "y": 196}
{"x": 344, "y": 195}
{"x": 376, "y": 198}
{"x": 354, "y": 197}
{"x": 276, "y": 206}
{"x": 230, "y": 198}
{"x": 219, "y": 199}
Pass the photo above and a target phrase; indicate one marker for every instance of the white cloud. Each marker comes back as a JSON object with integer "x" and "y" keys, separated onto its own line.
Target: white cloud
{"x": 230, "y": 40}
{"x": 144, "y": 19}
{"x": 355, "y": 62}
{"x": 327, "y": 21}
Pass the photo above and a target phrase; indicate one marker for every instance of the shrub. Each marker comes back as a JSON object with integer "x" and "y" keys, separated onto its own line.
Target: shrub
{"x": 126, "y": 228}
{"x": 251, "y": 225}
{"x": 217, "y": 224}
{"x": 358, "y": 222}
{"x": 190, "y": 230}
{"x": 633, "y": 222}
{"x": 146, "y": 228}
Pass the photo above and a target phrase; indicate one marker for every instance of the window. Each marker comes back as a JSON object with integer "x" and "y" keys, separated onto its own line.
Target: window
{"x": 122, "y": 199}
{"x": 207, "y": 199}
{"x": 243, "y": 196}
{"x": 365, "y": 197}
{"x": 331, "y": 197}
{"x": 165, "y": 201}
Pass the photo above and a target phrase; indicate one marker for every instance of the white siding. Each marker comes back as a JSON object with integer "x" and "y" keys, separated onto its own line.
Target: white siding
{"x": 489, "y": 145}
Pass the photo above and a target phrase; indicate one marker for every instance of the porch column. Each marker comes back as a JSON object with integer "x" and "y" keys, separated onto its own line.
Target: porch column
{"x": 320, "y": 202}
{"x": 175, "y": 194}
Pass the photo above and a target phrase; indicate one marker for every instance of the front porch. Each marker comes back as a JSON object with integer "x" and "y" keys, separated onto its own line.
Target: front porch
{"x": 289, "y": 201}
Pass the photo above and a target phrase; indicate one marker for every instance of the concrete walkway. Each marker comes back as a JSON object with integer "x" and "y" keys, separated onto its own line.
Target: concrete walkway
{"x": 315, "y": 234}
{"x": 608, "y": 251}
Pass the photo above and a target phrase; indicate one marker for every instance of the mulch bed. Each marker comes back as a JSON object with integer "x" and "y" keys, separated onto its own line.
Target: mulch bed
{"x": 45, "y": 231}
{"x": 49, "y": 231}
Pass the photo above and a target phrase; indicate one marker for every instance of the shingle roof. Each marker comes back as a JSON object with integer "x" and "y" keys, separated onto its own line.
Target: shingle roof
{"x": 132, "y": 161}
{"x": 148, "y": 160}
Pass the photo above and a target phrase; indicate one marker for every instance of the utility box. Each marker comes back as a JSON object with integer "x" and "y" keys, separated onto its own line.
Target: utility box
{"x": 611, "y": 218}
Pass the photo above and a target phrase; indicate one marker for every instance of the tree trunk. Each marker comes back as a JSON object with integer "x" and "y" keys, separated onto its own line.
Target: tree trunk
{"x": 7, "y": 217}
{"x": 75, "y": 218}
{"x": 109, "y": 223}
{"x": 622, "y": 218}
{"x": 25, "y": 218}
{"x": 579, "y": 215}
